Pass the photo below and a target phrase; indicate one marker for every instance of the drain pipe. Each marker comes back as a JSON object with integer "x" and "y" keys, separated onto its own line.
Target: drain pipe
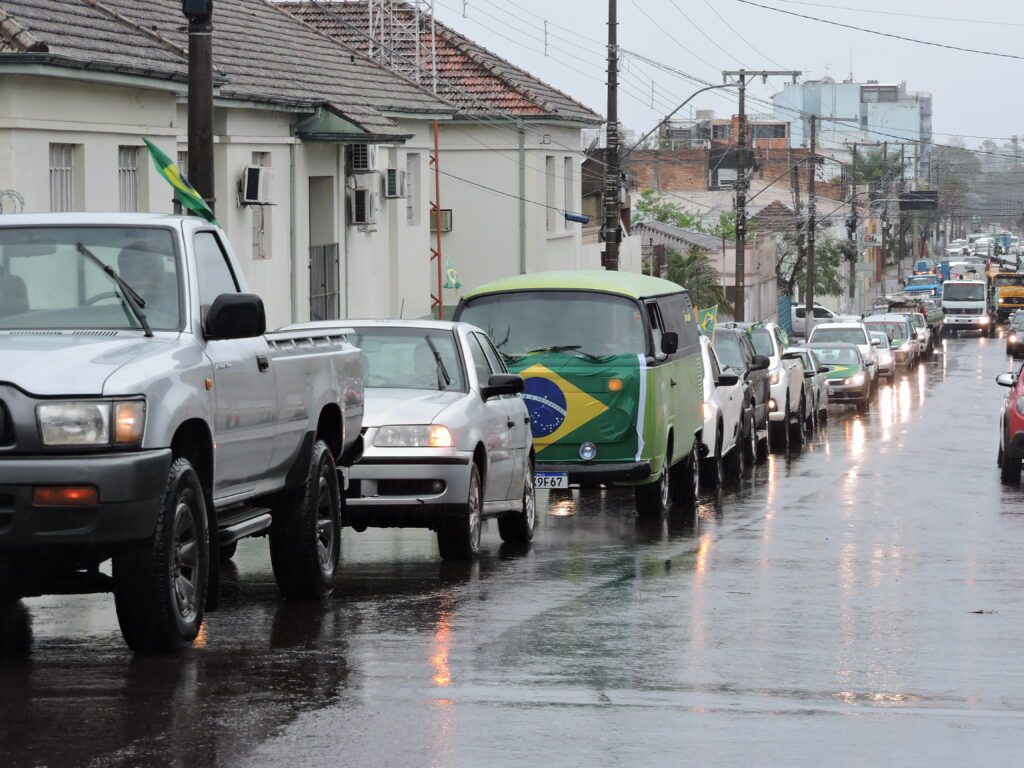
{"x": 293, "y": 216}
{"x": 522, "y": 195}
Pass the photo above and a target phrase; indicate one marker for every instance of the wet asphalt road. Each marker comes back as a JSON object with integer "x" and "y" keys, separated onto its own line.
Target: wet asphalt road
{"x": 822, "y": 613}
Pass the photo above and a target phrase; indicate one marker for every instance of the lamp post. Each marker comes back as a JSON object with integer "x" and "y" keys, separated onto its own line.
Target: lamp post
{"x": 200, "y": 96}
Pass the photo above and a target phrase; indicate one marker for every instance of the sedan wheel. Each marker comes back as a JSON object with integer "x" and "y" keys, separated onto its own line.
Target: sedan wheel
{"x": 459, "y": 536}
{"x": 518, "y": 527}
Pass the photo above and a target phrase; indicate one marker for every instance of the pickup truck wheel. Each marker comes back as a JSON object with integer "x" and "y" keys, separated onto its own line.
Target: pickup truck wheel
{"x": 518, "y": 527}
{"x": 305, "y": 536}
{"x": 780, "y": 432}
{"x": 797, "y": 428}
{"x": 736, "y": 460}
{"x": 160, "y": 584}
{"x": 459, "y": 537}
{"x": 750, "y": 441}
{"x": 711, "y": 469}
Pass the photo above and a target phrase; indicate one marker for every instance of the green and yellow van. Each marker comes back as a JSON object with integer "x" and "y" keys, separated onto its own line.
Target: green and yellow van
{"x": 613, "y": 376}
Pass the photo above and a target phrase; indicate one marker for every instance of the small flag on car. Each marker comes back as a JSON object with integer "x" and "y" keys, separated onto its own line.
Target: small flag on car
{"x": 185, "y": 192}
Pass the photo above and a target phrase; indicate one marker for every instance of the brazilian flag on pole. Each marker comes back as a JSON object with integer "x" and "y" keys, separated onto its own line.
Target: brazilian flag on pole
{"x": 185, "y": 192}
{"x": 706, "y": 320}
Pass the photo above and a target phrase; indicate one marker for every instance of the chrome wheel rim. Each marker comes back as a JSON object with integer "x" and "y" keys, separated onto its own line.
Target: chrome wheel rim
{"x": 474, "y": 512}
{"x": 663, "y": 486}
{"x": 324, "y": 525}
{"x": 530, "y": 501}
{"x": 185, "y": 562}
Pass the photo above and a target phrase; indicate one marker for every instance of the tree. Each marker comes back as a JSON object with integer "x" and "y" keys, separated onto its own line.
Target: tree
{"x": 874, "y": 166}
{"x": 695, "y": 272}
{"x": 831, "y": 257}
{"x": 653, "y": 206}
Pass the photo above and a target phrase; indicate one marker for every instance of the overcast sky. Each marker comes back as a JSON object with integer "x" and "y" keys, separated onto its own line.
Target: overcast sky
{"x": 974, "y": 94}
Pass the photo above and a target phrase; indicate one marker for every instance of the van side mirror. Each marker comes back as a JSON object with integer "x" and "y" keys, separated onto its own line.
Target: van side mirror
{"x": 669, "y": 342}
{"x": 760, "y": 363}
{"x": 502, "y": 384}
{"x": 236, "y": 316}
{"x": 1005, "y": 380}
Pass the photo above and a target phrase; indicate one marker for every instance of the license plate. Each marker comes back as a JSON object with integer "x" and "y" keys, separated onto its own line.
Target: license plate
{"x": 550, "y": 480}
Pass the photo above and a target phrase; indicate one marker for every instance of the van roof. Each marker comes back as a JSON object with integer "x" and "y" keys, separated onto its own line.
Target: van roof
{"x": 621, "y": 283}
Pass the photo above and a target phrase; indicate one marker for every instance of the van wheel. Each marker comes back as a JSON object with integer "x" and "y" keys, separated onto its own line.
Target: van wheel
{"x": 518, "y": 527}
{"x": 305, "y": 535}
{"x": 160, "y": 583}
{"x": 655, "y": 499}
{"x": 459, "y": 536}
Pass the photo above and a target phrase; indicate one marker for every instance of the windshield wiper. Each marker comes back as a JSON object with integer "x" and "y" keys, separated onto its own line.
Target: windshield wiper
{"x": 442, "y": 369}
{"x": 135, "y": 301}
{"x": 566, "y": 348}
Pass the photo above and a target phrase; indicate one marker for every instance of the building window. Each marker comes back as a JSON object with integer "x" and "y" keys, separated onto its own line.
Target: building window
{"x": 183, "y": 163}
{"x": 570, "y": 194}
{"x": 412, "y": 189}
{"x": 128, "y": 179}
{"x": 62, "y": 177}
{"x": 262, "y": 216}
{"x": 549, "y": 196}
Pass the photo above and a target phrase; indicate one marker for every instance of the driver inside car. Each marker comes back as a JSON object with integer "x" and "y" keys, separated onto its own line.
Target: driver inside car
{"x": 143, "y": 270}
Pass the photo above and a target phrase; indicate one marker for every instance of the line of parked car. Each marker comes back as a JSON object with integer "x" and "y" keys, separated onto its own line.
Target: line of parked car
{"x": 148, "y": 419}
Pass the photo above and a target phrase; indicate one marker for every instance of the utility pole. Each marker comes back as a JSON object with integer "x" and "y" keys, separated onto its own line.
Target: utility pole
{"x": 612, "y": 181}
{"x": 739, "y": 299}
{"x": 851, "y": 227}
{"x": 811, "y": 211}
{"x": 200, "y": 96}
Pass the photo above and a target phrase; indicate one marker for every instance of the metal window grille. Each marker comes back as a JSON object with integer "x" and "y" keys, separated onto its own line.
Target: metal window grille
{"x": 62, "y": 177}
{"x": 324, "y": 283}
{"x": 411, "y": 185}
{"x": 128, "y": 178}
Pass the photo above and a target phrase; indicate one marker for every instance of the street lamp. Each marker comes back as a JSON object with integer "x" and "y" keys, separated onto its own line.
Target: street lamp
{"x": 672, "y": 114}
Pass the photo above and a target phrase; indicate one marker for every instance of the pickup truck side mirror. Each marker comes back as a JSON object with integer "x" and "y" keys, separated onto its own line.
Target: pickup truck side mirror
{"x": 728, "y": 380}
{"x": 760, "y": 363}
{"x": 236, "y": 316}
{"x": 669, "y": 342}
{"x": 502, "y": 384}
{"x": 1005, "y": 380}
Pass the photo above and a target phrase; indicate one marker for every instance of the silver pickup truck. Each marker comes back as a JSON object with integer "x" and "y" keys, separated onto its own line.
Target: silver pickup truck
{"x": 147, "y": 418}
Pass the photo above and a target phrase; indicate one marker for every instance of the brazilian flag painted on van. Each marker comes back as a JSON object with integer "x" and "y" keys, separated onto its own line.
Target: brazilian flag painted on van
{"x": 574, "y": 401}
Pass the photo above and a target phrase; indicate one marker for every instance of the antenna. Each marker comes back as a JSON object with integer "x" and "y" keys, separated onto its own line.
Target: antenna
{"x": 398, "y": 40}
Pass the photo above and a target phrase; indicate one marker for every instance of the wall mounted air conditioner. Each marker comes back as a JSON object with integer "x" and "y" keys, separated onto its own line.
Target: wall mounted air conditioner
{"x": 255, "y": 185}
{"x": 394, "y": 184}
{"x": 362, "y": 205}
{"x": 363, "y": 158}
{"x": 446, "y": 220}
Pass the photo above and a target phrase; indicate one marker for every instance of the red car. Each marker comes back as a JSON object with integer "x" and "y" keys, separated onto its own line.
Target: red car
{"x": 1011, "y": 427}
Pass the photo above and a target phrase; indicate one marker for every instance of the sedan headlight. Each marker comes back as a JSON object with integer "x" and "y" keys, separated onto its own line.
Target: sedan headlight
{"x": 856, "y": 380}
{"x": 1013, "y": 338}
{"x": 92, "y": 423}
{"x": 775, "y": 377}
{"x": 416, "y": 436}
{"x": 905, "y": 346}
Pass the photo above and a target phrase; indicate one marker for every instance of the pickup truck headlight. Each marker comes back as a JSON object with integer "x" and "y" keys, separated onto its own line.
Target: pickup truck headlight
{"x": 417, "y": 436}
{"x": 91, "y": 423}
{"x": 775, "y": 376}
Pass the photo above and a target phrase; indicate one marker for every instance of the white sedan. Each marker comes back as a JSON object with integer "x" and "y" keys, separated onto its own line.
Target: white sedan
{"x": 727, "y": 421}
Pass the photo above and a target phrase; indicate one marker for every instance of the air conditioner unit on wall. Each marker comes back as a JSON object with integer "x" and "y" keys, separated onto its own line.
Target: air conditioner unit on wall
{"x": 394, "y": 184}
{"x": 363, "y": 158}
{"x": 362, "y": 204}
{"x": 446, "y": 220}
{"x": 255, "y": 185}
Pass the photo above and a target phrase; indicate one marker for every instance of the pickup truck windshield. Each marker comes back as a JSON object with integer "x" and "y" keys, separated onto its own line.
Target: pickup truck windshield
{"x": 825, "y": 334}
{"x": 729, "y": 350}
{"x": 410, "y": 358}
{"x": 47, "y": 283}
{"x": 963, "y": 292}
{"x": 582, "y": 323}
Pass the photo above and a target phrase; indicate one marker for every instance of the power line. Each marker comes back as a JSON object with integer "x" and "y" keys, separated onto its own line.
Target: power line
{"x": 741, "y": 37}
{"x": 883, "y": 34}
{"x": 958, "y": 20}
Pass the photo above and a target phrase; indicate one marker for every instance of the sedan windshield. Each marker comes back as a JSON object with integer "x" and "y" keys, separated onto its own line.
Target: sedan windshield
{"x": 837, "y": 355}
{"x": 963, "y": 292}
{"x": 892, "y": 330}
{"x": 827, "y": 335}
{"x": 49, "y": 279}
{"x": 574, "y": 322}
{"x": 410, "y": 358}
{"x": 762, "y": 340}
{"x": 729, "y": 350}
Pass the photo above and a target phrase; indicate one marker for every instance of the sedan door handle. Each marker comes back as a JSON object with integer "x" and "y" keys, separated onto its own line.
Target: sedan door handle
{"x": 510, "y": 424}
{"x": 526, "y": 420}
{"x": 263, "y": 363}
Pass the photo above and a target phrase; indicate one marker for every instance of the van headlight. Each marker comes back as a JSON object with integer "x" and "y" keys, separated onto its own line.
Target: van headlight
{"x": 91, "y": 423}
{"x": 415, "y": 436}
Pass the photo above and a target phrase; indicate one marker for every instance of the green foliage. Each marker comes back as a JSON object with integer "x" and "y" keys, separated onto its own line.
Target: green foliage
{"x": 695, "y": 272}
{"x": 873, "y": 165}
{"x": 654, "y": 206}
{"x": 831, "y": 258}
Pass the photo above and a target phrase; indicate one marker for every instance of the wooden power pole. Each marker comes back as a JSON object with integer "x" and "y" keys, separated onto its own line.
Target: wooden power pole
{"x": 811, "y": 212}
{"x": 200, "y": 97}
{"x": 612, "y": 182}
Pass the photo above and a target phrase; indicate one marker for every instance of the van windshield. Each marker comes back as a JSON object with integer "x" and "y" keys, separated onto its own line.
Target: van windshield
{"x": 577, "y": 322}
{"x": 53, "y": 278}
{"x": 963, "y": 292}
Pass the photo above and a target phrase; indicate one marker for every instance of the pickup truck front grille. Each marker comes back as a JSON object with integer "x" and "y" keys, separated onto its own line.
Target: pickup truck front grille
{"x": 6, "y": 427}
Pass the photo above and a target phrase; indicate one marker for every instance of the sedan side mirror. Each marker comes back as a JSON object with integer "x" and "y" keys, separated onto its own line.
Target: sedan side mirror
{"x": 1005, "y": 380}
{"x": 502, "y": 384}
{"x": 760, "y": 363}
{"x": 236, "y": 316}
{"x": 669, "y": 342}
{"x": 792, "y": 356}
{"x": 728, "y": 380}
{"x": 809, "y": 374}
{"x": 876, "y": 343}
